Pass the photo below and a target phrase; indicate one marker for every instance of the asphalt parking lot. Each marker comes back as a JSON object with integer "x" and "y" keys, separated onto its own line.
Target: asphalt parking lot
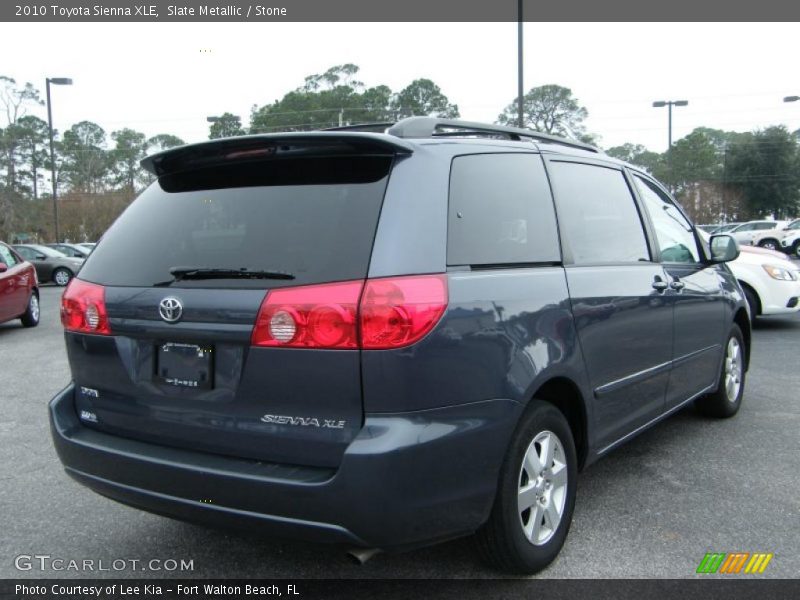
{"x": 652, "y": 508}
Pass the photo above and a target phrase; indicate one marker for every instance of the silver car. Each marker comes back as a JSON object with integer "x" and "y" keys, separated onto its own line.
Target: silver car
{"x": 50, "y": 264}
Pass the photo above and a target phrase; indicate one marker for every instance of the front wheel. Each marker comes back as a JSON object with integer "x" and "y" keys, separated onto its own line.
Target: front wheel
{"x": 535, "y": 498}
{"x": 726, "y": 400}
{"x": 796, "y": 249}
{"x": 31, "y": 316}
{"x": 62, "y": 276}
{"x": 769, "y": 244}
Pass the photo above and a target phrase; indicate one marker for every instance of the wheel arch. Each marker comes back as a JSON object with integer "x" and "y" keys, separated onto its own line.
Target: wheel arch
{"x": 740, "y": 319}
{"x": 566, "y": 396}
{"x": 747, "y": 286}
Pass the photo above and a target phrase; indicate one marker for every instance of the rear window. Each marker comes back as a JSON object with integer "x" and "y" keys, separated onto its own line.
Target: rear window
{"x": 317, "y": 224}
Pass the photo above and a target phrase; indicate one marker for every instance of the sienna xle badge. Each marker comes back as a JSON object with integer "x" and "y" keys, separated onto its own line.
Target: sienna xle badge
{"x": 390, "y": 339}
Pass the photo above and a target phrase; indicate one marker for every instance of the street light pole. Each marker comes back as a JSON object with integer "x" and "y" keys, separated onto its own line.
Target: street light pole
{"x": 520, "y": 111}
{"x": 54, "y": 81}
{"x": 669, "y": 104}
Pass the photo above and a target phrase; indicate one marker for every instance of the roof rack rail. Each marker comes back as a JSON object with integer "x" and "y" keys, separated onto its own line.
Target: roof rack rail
{"x": 368, "y": 127}
{"x": 424, "y": 127}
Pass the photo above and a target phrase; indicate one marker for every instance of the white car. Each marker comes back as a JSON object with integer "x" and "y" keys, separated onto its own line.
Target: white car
{"x": 772, "y": 239}
{"x": 746, "y": 232}
{"x": 770, "y": 281}
{"x": 790, "y": 242}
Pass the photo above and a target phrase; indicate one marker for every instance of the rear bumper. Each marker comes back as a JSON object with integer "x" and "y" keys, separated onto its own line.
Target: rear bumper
{"x": 406, "y": 480}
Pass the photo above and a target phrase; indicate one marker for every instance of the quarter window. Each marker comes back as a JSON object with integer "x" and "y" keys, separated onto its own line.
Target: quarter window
{"x": 598, "y": 214}
{"x": 674, "y": 233}
{"x": 500, "y": 211}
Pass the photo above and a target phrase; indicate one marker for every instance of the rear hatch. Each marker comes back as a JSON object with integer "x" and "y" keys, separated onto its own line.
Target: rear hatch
{"x": 183, "y": 274}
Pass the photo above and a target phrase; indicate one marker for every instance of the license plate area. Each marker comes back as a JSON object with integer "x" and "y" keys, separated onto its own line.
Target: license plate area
{"x": 185, "y": 365}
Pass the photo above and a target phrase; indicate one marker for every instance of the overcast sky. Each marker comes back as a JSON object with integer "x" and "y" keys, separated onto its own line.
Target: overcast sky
{"x": 167, "y": 77}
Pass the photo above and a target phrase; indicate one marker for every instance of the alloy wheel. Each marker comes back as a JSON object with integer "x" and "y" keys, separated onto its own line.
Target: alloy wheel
{"x": 33, "y": 308}
{"x": 542, "y": 492}
{"x": 733, "y": 369}
{"x": 62, "y": 277}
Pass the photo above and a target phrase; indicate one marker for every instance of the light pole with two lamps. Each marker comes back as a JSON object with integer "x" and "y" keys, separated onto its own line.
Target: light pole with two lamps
{"x": 669, "y": 104}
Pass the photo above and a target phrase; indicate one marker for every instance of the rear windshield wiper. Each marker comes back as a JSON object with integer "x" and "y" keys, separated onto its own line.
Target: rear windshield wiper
{"x": 181, "y": 273}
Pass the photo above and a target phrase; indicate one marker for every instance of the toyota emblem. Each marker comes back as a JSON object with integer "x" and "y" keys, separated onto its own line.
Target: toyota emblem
{"x": 170, "y": 309}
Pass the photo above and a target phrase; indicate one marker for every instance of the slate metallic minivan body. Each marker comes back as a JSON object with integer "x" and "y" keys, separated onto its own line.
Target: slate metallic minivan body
{"x": 390, "y": 339}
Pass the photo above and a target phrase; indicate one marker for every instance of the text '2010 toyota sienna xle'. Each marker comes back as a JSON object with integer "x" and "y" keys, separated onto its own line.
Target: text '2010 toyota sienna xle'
{"x": 389, "y": 339}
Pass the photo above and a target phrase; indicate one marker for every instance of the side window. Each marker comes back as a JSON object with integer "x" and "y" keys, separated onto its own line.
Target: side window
{"x": 25, "y": 253}
{"x": 599, "y": 218}
{"x": 765, "y": 226}
{"x": 674, "y": 233}
{"x": 7, "y": 257}
{"x": 500, "y": 211}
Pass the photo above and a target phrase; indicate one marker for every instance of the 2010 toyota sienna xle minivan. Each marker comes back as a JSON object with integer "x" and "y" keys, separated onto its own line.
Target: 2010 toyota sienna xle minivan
{"x": 390, "y": 339}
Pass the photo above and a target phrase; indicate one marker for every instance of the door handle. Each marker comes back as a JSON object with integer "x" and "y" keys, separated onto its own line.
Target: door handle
{"x": 677, "y": 285}
{"x": 659, "y": 285}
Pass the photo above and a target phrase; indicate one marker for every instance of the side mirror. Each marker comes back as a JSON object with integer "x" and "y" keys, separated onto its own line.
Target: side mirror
{"x": 3, "y": 267}
{"x": 724, "y": 248}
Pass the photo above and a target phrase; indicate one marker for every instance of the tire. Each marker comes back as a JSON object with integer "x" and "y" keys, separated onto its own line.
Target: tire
{"x": 30, "y": 317}
{"x": 504, "y": 541}
{"x": 770, "y": 244}
{"x": 753, "y": 302}
{"x": 726, "y": 400}
{"x": 62, "y": 276}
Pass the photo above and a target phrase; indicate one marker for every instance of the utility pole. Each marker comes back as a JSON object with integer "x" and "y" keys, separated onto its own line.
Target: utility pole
{"x": 35, "y": 173}
{"x": 520, "y": 110}
{"x": 725, "y": 184}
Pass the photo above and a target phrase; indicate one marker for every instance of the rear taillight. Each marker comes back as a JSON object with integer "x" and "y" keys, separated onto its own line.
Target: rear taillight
{"x": 400, "y": 311}
{"x": 314, "y": 316}
{"x": 83, "y": 308}
{"x": 390, "y": 313}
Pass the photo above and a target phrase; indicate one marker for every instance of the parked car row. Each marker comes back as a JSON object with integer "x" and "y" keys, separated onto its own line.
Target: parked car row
{"x": 51, "y": 264}
{"x": 24, "y": 266}
{"x": 772, "y": 235}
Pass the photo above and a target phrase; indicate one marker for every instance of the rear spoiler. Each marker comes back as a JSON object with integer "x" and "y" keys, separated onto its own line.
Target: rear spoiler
{"x": 284, "y": 145}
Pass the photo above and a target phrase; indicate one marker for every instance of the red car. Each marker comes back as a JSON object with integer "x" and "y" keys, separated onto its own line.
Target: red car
{"x": 19, "y": 288}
